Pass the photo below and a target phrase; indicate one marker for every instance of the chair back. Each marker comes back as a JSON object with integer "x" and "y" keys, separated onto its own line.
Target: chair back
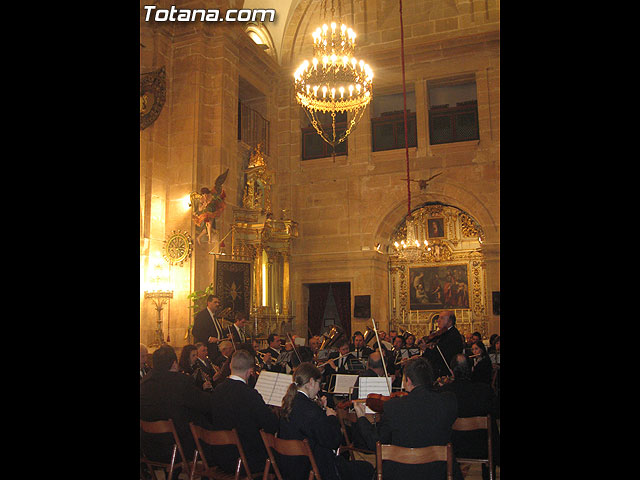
{"x": 216, "y": 438}
{"x": 466, "y": 424}
{"x": 345, "y": 416}
{"x": 287, "y": 448}
{"x": 160, "y": 427}
{"x": 414, "y": 456}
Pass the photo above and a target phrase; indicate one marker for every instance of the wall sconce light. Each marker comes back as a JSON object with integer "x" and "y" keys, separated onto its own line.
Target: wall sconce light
{"x": 160, "y": 292}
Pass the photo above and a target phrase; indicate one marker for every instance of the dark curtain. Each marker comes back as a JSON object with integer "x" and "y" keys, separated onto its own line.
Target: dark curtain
{"x": 342, "y": 297}
{"x": 318, "y": 294}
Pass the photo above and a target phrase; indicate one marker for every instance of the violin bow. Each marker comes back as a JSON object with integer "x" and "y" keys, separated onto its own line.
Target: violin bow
{"x": 384, "y": 364}
{"x": 294, "y": 346}
{"x": 445, "y": 362}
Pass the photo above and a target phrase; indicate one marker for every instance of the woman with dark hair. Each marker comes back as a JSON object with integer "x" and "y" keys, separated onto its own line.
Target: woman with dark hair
{"x": 481, "y": 371}
{"x": 304, "y": 416}
{"x": 188, "y": 358}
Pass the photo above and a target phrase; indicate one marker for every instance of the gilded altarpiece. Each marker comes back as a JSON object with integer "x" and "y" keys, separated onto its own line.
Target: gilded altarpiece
{"x": 265, "y": 242}
{"x": 447, "y": 271}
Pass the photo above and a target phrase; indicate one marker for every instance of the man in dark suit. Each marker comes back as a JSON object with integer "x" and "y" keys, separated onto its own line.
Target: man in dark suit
{"x": 474, "y": 399}
{"x": 340, "y": 366}
{"x": 203, "y": 369}
{"x": 236, "y": 405}
{"x": 449, "y": 343}
{"x": 237, "y": 329}
{"x": 144, "y": 368}
{"x": 165, "y": 393}
{"x": 420, "y": 419}
{"x": 272, "y": 352}
{"x": 359, "y": 350}
{"x": 206, "y": 327}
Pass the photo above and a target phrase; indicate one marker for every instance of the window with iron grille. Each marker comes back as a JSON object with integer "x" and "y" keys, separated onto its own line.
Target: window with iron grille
{"x": 387, "y": 122}
{"x": 453, "y": 111}
{"x": 253, "y": 128}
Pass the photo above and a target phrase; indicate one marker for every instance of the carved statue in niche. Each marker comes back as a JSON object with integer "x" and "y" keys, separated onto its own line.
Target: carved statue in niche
{"x": 257, "y": 190}
{"x": 207, "y": 206}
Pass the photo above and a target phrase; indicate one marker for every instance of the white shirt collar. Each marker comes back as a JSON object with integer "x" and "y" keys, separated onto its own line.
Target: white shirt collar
{"x": 305, "y": 393}
{"x": 235, "y": 377}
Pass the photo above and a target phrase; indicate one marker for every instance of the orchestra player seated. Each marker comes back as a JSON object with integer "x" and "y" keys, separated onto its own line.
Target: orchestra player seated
{"x": 303, "y": 417}
{"x": 223, "y": 362}
{"x": 165, "y": 393}
{"x": 271, "y": 354}
{"x": 481, "y": 369}
{"x": 234, "y": 404}
{"x": 422, "y": 418}
{"x": 359, "y": 350}
{"x": 474, "y": 400}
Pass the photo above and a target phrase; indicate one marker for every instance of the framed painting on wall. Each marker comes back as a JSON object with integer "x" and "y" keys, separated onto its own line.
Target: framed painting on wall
{"x": 443, "y": 286}
{"x": 435, "y": 227}
{"x": 362, "y": 306}
{"x": 232, "y": 283}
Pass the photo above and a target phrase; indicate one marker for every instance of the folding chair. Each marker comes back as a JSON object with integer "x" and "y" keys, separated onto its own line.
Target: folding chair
{"x": 288, "y": 448}
{"x": 477, "y": 423}
{"x": 217, "y": 437}
{"x": 414, "y": 456}
{"x": 351, "y": 417}
{"x": 160, "y": 427}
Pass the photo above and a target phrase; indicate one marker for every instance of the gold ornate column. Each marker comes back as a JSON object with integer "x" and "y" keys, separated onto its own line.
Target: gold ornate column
{"x": 256, "y": 233}
{"x": 286, "y": 296}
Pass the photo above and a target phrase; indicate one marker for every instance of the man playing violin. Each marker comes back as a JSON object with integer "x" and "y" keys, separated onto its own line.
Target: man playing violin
{"x": 448, "y": 341}
{"x": 420, "y": 419}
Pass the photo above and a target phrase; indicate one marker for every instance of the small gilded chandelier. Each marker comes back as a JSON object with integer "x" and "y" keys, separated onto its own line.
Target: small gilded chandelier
{"x": 333, "y": 81}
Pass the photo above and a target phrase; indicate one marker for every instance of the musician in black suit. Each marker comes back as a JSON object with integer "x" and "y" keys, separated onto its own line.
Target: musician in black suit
{"x": 165, "y": 393}
{"x": 272, "y": 352}
{"x": 449, "y": 343}
{"x": 482, "y": 369}
{"x": 203, "y": 369}
{"x": 341, "y": 365}
{"x": 237, "y": 329}
{"x": 301, "y": 417}
{"x": 359, "y": 350}
{"x": 207, "y": 328}
{"x": 236, "y": 405}
{"x": 474, "y": 399}
{"x": 420, "y": 419}
{"x": 144, "y": 368}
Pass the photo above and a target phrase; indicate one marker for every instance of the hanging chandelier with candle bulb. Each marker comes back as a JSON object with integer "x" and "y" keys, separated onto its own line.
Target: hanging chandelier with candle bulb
{"x": 334, "y": 81}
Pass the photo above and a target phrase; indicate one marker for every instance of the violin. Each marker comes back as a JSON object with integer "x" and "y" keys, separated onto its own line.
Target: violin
{"x": 434, "y": 337}
{"x": 443, "y": 380}
{"x": 375, "y": 401}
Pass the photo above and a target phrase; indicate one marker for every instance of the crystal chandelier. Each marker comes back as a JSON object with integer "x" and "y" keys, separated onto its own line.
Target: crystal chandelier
{"x": 333, "y": 81}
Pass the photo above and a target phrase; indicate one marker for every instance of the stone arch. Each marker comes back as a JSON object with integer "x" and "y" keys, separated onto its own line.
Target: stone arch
{"x": 393, "y": 212}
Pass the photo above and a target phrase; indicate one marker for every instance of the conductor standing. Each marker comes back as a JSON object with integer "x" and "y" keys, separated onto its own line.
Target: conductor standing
{"x": 207, "y": 328}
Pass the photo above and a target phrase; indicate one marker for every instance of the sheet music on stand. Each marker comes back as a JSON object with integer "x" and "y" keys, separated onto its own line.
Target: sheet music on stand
{"x": 342, "y": 383}
{"x": 273, "y": 386}
{"x": 369, "y": 385}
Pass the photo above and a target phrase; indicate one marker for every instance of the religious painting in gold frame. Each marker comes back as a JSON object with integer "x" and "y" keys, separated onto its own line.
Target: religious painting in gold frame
{"x": 232, "y": 283}
{"x": 435, "y": 227}
{"x": 438, "y": 287}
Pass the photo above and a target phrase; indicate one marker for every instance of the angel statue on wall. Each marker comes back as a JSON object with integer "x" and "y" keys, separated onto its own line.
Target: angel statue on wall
{"x": 207, "y": 206}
